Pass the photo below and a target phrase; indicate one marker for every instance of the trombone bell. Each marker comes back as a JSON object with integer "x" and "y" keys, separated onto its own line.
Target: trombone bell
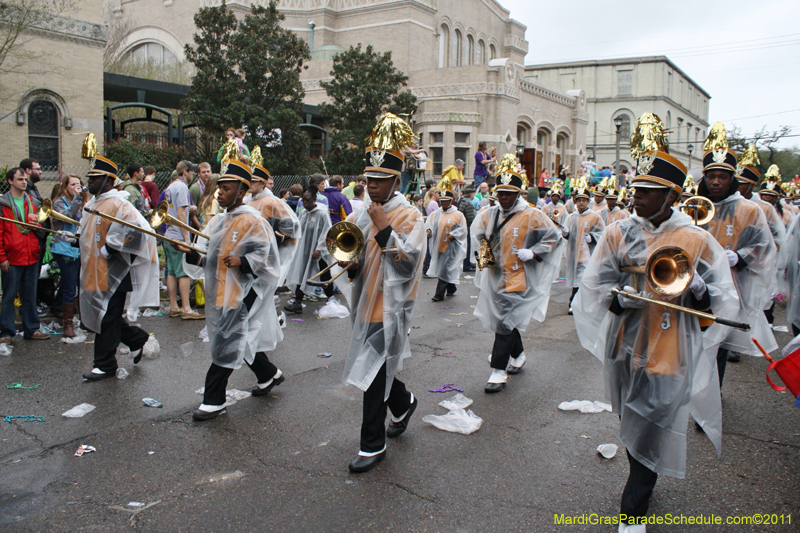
{"x": 345, "y": 241}
{"x": 46, "y": 211}
{"x": 700, "y": 209}
{"x": 161, "y": 216}
{"x": 669, "y": 271}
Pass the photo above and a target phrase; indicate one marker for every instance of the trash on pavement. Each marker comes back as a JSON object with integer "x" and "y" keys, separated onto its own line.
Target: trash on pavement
{"x": 187, "y": 349}
{"x": 781, "y": 329}
{"x": 203, "y": 334}
{"x": 456, "y": 401}
{"x": 150, "y": 402}
{"x": 446, "y": 307}
{"x": 447, "y": 387}
{"x": 584, "y": 406}
{"x": 123, "y": 349}
{"x": 333, "y": 309}
{"x": 298, "y": 320}
{"x": 456, "y": 421}
{"x": 19, "y": 386}
{"x": 324, "y": 354}
{"x": 149, "y": 313}
{"x": 80, "y": 336}
{"x": 151, "y": 348}
{"x": 607, "y": 450}
{"x": 79, "y": 410}
{"x": 5, "y": 350}
{"x": 231, "y": 395}
{"x": 135, "y": 504}
{"x": 83, "y": 449}
{"x": 122, "y": 373}
{"x": 27, "y": 418}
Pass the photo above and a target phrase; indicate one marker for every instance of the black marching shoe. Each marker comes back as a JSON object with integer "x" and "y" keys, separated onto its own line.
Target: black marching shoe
{"x": 396, "y": 429}
{"x": 91, "y": 375}
{"x": 258, "y": 391}
{"x": 365, "y": 464}
{"x": 734, "y": 357}
{"x": 200, "y": 415}
{"x": 295, "y": 307}
{"x": 451, "y": 293}
{"x": 515, "y": 364}
{"x": 494, "y": 387}
{"x": 437, "y": 299}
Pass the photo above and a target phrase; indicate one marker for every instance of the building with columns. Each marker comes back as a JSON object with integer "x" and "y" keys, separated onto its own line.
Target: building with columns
{"x": 464, "y": 60}
{"x": 627, "y": 88}
{"x": 51, "y": 101}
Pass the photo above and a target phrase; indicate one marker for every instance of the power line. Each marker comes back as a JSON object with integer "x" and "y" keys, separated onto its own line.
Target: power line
{"x": 758, "y": 116}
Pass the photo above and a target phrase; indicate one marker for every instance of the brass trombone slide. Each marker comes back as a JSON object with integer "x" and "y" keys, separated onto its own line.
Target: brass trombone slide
{"x": 724, "y": 321}
{"x": 146, "y": 232}
{"x": 162, "y": 216}
{"x": 34, "y": 226}
{"x": 345, "y": 242}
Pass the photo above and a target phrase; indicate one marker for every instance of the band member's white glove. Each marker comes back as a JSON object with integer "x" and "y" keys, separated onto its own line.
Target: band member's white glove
{"x": 733, "y": 257}
{"x": 588, "y": 239}
{"x": 698, "y": 286}
{"x": 104, "y": 252}
{"x": 631, "y": 303}
{"x": 524, "y": 254}
{"x": 565, "y": 233}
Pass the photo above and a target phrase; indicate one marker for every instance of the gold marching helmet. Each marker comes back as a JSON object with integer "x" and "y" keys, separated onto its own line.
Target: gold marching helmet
{"x": 230, "y": 152}
{"x": 746, "y": 171}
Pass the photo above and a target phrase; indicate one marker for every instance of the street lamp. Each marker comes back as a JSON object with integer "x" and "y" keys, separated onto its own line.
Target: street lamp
{"x": 690, "y": 148}
{"x": 618, "y": 125}
{"x": 520, "y": 150}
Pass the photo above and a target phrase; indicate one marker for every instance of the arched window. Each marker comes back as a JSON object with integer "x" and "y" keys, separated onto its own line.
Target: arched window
{"x": 43, "y": 133}
{"x": 492, "y": 52}
{"x": 154, "y": 53}
{"x": 479, "y": 53}
{"x": 444, "y": 46}
{"x": 470, "y": 50}
{"x": 669, "y": 120}
{"x": 458, "y": 43}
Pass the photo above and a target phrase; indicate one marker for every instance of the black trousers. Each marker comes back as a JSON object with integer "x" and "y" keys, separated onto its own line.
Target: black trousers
{"x": 442, "y": 286}
{"x": 113, "y": 330}
{"x": 217, "y": 378}
{"x": 505, "y": 347}
{"x": 298, "y": 294}
{"x": 572, "y": 296}
{"x": 373, "y": 423}
{"x": 722, "y": 362}
{"x": 638, "y": 489}
{"x": 795, "y": 330}
{"x": 769, "y": 313}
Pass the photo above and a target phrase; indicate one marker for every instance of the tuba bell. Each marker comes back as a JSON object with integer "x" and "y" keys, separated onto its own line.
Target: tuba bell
{"x": 161, "y": 216}
{"x": 699, "y": 208}
{"x": 46, "y": 211}
{"x": 345, "y": 242}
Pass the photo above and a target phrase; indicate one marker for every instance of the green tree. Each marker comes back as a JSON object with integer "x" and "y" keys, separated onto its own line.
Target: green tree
{"x": 365, "y": 84}
{"x": 248, "y": 75}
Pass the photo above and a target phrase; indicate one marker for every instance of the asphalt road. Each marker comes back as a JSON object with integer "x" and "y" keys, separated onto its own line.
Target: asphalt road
{"x": 280, "y": 463}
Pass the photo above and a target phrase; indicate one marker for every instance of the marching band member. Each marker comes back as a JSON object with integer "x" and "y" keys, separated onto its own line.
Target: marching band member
{"x": 115, "y": 260}
{"x": 447, "y": 234}
{"x": 242, "y": 268}
{"x": 312, "y": 254}
{"x": 582, "y": 231}
{"x": 742, "y": 230}
{"x": 527, "y": 249}
{"x": 658, "y": 366}
{"x": 792, "y": 280}
{"x": 612, "y": 212}
{"x": 689, "y": 189}
{"x": 277, "y": 213}
{"x": 599, "y": 196}
{"x": 556, "y": 193}
{"x": 385, "y": 279}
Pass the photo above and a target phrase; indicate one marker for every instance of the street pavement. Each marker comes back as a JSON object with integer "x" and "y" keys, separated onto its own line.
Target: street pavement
{"x": 279, "y": 463}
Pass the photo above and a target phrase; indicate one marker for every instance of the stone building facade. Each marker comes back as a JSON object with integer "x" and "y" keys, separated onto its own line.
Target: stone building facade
{"x": 628, "y": 88}
{"x": 464, "y": 60}
{"x": 52, "y": 102}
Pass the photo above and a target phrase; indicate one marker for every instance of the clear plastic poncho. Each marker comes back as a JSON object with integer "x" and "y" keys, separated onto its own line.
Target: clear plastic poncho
{"x": 383, "y": 294}
{"x": 314, "y": 226}
{"x": 741, "y": 226}
{"x": 284, "y": 222}
{"x": 515, "y": 291}
{"x": 448, "y": 243}
{"x": 778, "y": 230}
{"x": 236, "y": 334}
{"x": 658, "y": 366}
{"x": 791, "y": 281}
{"x": 100, "y": 277}
{"x": 609, "y": 216}
{"x": 578, "y": 250}
{"x": 563, "y": 213}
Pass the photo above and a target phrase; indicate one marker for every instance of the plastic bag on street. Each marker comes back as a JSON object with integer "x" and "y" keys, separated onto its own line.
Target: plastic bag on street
{"x": 456, "y": 401}
{"x": 148, "y": 313}
{"x": 79, "y": 410}
{"x": 133, "y": 314}
{"x": 122, "y": 373}
{"x": 203, "y": 335}
{"x": 5, "y": 349}
{"x": 584, "y": 406}
{"x": 187, "y": 349}
{"x": 151, "y": 348}
{"x": 333, "y": 309}
{"x": 80, "y": 336}
{"x": 456, "y": 421}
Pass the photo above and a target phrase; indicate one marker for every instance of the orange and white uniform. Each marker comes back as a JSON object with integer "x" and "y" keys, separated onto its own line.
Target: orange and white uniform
{"x": 103, "y": 272}
{"x": 285, "y": 226}
{"x": 609, "y": 216}
{"x": 579, "y": 251}
{"x": 448, "y": 244}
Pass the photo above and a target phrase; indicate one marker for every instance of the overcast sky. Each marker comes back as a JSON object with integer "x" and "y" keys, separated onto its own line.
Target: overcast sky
{"x": 745, "y": 54}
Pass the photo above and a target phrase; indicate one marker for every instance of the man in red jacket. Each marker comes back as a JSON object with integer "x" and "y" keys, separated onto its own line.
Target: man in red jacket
{"x": 19, "y": 254}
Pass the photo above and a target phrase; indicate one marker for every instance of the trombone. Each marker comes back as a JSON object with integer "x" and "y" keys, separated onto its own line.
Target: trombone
{"x": 34, "y": 226}
{"x": 669, "y": 272}
{"x": 699, "y": 208}
{"x": 46, "y": 211}
{"x": 556, "y": 214}
{"x": 161, "y": 216}
{"x": 146, "y": 232}
{"x": 345, "y": 242}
